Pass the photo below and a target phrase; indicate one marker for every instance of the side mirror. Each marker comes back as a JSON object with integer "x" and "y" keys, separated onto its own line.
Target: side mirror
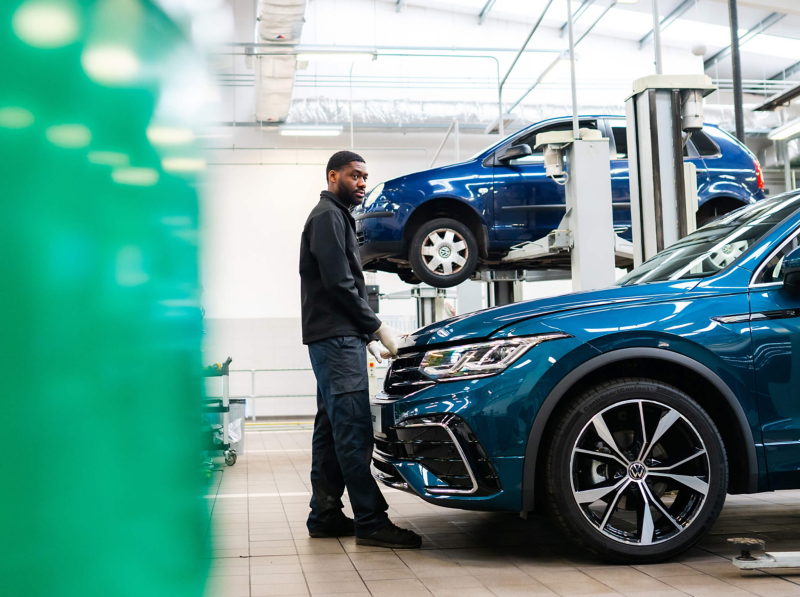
{"x": 791, "y": 273}
{"x": 516, "y": 152}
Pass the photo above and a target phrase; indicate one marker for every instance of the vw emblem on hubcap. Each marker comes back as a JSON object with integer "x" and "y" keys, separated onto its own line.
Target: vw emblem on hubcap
{"x": 637, "y": 471}
{"x": 444, "y": 252}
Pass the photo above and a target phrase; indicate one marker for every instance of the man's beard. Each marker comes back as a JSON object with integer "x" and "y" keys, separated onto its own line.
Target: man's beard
{"x": 347, "y": 196}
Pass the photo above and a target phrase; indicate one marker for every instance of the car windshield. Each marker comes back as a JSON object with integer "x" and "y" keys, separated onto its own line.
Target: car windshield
{"x": 716, "y": 245}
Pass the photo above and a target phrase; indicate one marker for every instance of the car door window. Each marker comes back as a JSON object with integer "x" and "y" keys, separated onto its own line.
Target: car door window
{"x": 620, "y": 133}
{"x": 538, "y": 153}
{"x": 704, "y": 144}
{"x": 773, "y": 270}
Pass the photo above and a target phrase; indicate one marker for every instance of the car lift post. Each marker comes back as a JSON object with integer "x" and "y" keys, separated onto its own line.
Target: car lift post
{"x": 662, "y": 112}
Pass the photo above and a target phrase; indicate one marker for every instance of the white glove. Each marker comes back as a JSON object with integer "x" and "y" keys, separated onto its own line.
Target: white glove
{"x": 376, "y": 351}
{"x": 391, "y": 338}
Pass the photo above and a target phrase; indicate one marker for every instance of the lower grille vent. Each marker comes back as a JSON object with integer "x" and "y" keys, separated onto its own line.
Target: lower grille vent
{"x": 445, "y": 446}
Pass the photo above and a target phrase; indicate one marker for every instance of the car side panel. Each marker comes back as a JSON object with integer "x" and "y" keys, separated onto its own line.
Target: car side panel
{"x": 731, "y": 173}
{"x": 684, "y": 326}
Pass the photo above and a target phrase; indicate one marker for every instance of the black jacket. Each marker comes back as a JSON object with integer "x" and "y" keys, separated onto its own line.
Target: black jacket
{"x": 332, "y": 286}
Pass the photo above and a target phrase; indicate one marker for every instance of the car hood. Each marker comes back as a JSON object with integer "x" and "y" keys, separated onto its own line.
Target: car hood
{"x": 482, "y": 324}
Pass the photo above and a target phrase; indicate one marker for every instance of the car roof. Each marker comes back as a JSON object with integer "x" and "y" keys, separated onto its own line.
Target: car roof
{"x": 489, "y": 150}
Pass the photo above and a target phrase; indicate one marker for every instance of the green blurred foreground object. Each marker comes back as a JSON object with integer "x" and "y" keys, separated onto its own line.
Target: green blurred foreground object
{"x": 100, "y": 491}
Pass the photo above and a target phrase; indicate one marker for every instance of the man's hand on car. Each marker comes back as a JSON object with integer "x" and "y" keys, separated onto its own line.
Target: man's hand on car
{"x": 391, "y": 338}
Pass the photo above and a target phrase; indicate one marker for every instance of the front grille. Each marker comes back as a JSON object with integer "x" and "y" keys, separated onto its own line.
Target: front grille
{"x": 404, "y": 375}
{"x": 428, "y": 442}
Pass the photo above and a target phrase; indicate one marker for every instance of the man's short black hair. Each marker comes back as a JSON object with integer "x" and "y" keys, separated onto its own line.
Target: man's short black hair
{"x": 340, "y": 159}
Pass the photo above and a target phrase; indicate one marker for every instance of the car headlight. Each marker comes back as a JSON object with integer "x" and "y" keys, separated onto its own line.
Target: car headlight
{"x": 479, "y": 360}
{"x": 373, "y": 195}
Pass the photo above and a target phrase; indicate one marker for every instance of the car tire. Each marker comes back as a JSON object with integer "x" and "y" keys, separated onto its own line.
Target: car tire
{"x": 667, "y": 493}
{"x": 443, "y": 252}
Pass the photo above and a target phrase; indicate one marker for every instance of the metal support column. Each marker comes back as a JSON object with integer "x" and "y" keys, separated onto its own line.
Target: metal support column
{"x": 733, "y": 17}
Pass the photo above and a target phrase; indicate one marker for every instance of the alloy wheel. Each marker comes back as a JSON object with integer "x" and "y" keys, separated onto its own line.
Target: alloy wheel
{"x": 639, "y": 472}
{"x": 444, "y": 251}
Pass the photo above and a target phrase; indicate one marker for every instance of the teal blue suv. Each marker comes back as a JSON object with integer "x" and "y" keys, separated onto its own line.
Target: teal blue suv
{"x": 628, "y": 413}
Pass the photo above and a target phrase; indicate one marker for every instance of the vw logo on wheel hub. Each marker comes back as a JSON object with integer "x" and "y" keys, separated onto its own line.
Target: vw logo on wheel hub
{"x": 445, "y": 252}
{"x": 637, "y": 471}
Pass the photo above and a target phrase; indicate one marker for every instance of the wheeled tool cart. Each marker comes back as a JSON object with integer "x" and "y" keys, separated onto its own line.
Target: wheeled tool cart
{"x": 217, "y": 436}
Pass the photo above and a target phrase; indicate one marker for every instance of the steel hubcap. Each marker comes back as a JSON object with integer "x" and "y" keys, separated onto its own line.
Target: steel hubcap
{"x": 444, "y": 251}
{"x": 639, "y": 472}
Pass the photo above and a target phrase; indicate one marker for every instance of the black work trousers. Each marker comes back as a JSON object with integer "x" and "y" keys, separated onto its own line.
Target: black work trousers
{"x": 342, "y": 444}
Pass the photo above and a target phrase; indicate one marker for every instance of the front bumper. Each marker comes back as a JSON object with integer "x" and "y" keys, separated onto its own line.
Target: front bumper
{"x": 488, "y": 421}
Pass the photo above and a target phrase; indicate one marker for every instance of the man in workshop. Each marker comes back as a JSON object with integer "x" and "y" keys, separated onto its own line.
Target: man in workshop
{"x": 338, "y": 326}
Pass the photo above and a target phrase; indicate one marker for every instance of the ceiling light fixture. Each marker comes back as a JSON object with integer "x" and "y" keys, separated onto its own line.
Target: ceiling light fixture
{"x": 136, "y": 177}
{"x": 12, "y": 117}
{"x": 110, "y": 64}
{"x": 788, "y": 130}
{"x": 338, "y": 57}
{"x": 108, "y": 158}
{"x": 163, "y": 135}
{"x": 179, "y": 164}
{"x": 46, "y": 24}
{"x": 316, "y": 130}
{"x": 68, "y": 136}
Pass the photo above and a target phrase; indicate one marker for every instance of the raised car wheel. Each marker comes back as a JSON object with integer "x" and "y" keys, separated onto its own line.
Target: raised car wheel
{"x": 443, "y": 252}
{"x": 635, "y": 471}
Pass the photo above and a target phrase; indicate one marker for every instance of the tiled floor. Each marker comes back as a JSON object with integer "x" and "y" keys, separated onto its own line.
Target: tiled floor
{"x": 261, "y": 547}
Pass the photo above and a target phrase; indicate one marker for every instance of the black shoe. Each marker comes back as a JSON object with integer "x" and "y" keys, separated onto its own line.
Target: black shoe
{"x": 392, "y": 536}
{"x": 341, "y": 527}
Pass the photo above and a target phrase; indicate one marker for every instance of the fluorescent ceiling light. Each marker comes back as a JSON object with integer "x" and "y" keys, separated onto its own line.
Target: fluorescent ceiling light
{"x": 176, "y": 164}
{"x": 790, "y": 129}
{"x": 68, "y": 136}
{"x": 163, "y": 135}
{"x": 337, "y": 57}
{"x": 13, "y": 117}
{"x": 46, "y": 23}
{"x": 110, "y": 64}
{"x": 317, "y": 130}
{"x": 137, "y": 177}
{"x": 108, "y": 158}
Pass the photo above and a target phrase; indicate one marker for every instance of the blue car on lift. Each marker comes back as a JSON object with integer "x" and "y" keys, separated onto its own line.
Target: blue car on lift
{"x": 438, "y": 226}
{"x": 626, "y": 413}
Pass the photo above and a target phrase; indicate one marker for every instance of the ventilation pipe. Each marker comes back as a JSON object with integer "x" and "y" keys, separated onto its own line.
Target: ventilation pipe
{"x": 277, "y": 22}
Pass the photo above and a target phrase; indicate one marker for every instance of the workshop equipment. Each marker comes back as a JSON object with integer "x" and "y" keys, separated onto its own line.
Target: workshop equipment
{"x": 217, "y": 411}
{"x": 662, "y": 112}
{"x": 777, "y": 559}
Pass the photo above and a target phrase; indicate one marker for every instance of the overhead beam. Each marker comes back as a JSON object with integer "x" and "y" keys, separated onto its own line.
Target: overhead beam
{"x": 786, "y": 72}
{"x": 576, "y": 15}
{"x": 780, "y": 100}
{"x": 485, "y": 11}
{"x": 744, "y": 38}
{"x": 597, "y": 20}
{"x": 667, "y": 21}
{"x": 563, "y": 56}
{"x": 527, "y": 41}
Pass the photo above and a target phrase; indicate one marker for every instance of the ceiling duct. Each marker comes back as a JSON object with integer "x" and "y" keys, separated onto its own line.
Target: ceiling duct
{"x": 279, "y": 22}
